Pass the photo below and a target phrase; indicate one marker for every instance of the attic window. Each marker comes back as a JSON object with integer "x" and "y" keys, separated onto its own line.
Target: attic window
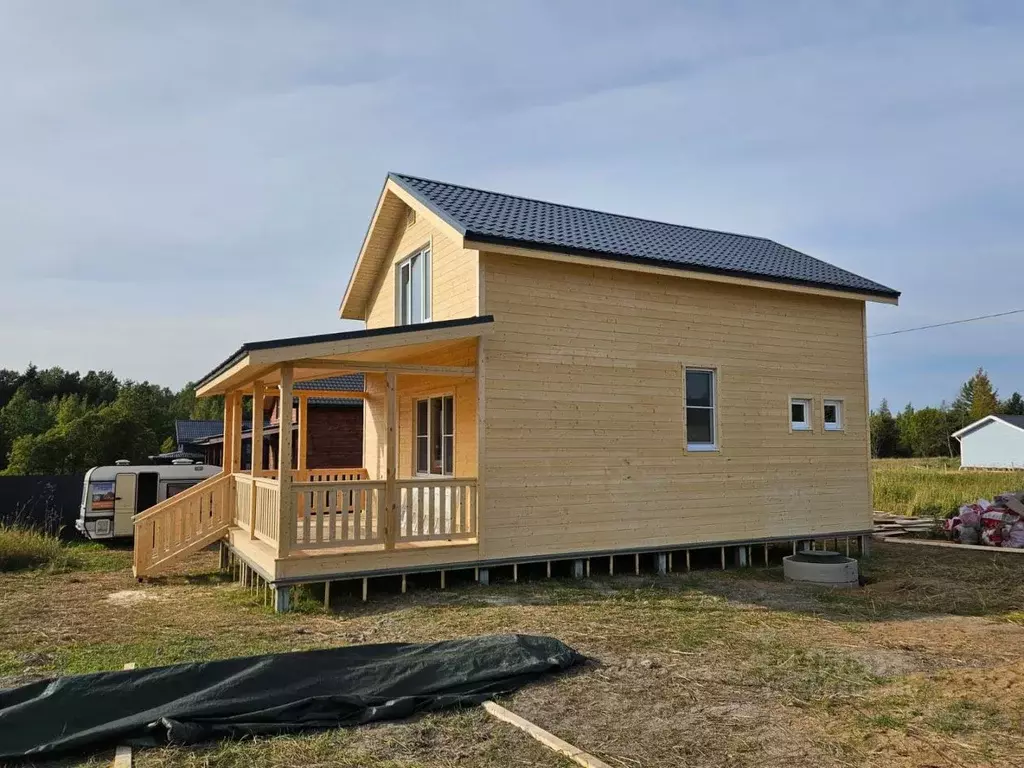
{"x": 410, "y": 218}
{"x": 413, "y": 293}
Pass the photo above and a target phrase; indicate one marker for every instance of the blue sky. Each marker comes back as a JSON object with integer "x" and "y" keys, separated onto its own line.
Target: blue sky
{"x": 180, "y": 177}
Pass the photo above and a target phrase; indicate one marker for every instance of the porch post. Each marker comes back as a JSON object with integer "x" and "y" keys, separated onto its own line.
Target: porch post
{"x": 236, "y": 431}
{"x": 303, "y": 431}
{"x": 257, "y": 451}
{"x": 391, "y": 459}
{"x": 286, "y": 514}
{"x": 227, "y": 442}
{"x": 257, "y": 428}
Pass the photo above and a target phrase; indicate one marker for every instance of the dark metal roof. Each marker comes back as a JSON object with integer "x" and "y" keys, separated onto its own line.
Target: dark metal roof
{"x": 491, "y": 217}
{"x": 350, "y": 382}
{"x": 368, "y": 333}
{"x": 190, "y": 430}
{"x": 1017, "y": 421}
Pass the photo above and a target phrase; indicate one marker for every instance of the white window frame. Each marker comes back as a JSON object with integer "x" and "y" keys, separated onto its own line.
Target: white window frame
{"x": 713, "y": 372}
{"x": 808, "y": 403}
{"x": 416, "y": 436}
{"x": 403, "y": 299}
{"x": 839, "y": 405}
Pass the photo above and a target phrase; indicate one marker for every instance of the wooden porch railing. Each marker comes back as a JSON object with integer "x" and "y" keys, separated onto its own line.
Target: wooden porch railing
{"x": 353, "y": 513}
{"x": 243, "y": 499}
{"x": 339, "y": 514}
{"x": 184, "y": 523}
{"x": 329, "y": 475}
{"x": 436, "y": 509}
{"x": 268, "y": 509}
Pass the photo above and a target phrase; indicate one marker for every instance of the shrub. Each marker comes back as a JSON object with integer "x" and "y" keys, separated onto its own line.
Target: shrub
{"x": 22, "y": 548}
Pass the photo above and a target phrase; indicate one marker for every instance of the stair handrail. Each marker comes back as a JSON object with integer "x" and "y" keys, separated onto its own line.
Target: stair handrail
{"x": 184, "y": 495}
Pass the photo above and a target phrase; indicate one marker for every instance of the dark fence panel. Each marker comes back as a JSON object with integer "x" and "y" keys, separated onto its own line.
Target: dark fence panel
{"x": 46, "y": 502}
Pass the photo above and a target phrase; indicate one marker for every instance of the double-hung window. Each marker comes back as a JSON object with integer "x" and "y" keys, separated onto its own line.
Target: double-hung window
{"x": 435, "y": 435}
{"x": 700, "y": 410}
{"x": 413, "y": 294}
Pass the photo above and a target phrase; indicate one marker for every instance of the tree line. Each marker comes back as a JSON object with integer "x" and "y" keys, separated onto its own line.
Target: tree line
{"x": 55, "y": 422}
{"x": 929, "y": 431}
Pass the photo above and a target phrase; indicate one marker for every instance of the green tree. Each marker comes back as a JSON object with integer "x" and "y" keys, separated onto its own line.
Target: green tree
{"x": 1013, "y": 405}
{"x": 885, "y": 435}
{"x": 45, "y": 454}
{"x": 99, "y": 387}
{"x": 927, "y": 432}
{"x": 168, "y": 445}
{"x": 21, "y": 416}
{"x": 209, "y": 408}
{"x": 984, "y": 401}
{"x": 905, "y": 431}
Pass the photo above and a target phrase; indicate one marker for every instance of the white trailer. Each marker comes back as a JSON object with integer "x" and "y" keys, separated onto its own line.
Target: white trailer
{"x": 112, "y": 495}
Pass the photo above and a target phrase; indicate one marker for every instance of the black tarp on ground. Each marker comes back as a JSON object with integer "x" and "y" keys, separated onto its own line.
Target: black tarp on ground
{"x": 187, "y": 703}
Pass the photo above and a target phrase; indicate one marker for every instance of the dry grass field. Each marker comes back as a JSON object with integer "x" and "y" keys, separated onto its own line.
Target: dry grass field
{"x": 925, "y": 666}
{"x": 934, "y": 486}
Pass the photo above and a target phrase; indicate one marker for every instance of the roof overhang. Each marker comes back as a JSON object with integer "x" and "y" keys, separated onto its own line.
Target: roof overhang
{"x": 634, "y": 264}
{"x": 981, "y": 422}
{"x": 315, "y": 357}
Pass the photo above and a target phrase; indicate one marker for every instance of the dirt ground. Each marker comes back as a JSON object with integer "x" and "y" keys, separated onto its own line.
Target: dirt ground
{"x": 923, "y": 667}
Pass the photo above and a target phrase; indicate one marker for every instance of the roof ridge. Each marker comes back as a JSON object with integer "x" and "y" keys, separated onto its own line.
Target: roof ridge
{"x": 589, "y": 210}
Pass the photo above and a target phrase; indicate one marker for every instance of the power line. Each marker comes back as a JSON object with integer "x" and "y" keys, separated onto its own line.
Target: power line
{"x": 951, "y": 322}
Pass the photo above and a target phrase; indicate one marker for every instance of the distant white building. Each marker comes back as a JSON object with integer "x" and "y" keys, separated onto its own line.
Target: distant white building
{"x": 994, "y": 442}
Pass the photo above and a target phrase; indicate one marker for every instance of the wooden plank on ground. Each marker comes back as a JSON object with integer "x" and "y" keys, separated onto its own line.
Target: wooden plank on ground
{"x": 549, "y": 740}
{"x": 123, "y": 753}
{"x": 954, "y": 545}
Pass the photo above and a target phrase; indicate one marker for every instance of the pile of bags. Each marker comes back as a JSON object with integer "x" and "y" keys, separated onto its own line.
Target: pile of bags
{"x": 997, "y": 523}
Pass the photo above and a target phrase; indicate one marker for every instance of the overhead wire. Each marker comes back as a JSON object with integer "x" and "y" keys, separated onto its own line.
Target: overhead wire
{"x": 951, "y": 322}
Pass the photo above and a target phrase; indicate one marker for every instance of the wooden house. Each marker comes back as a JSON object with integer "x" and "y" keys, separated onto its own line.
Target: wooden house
{"x": 546, "y": 383}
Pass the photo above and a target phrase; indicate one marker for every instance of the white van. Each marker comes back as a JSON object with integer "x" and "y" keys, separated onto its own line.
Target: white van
{"x": 111, "y": 495}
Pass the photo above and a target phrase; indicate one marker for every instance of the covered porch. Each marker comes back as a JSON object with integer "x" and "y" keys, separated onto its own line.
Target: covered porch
{"x": 414, "y": 501}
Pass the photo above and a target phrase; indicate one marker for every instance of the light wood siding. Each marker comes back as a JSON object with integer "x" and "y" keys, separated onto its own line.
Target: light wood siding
{"x": 453, "y": 274}
{"x": 411, "y": 388}
{"x": 585, "y": 437}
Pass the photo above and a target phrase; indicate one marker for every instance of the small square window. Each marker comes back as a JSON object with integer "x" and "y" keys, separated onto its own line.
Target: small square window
{"x": 800, "y": 414}
{"x": 832, "y": 413}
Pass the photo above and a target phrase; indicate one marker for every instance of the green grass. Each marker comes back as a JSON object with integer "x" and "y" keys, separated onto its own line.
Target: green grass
{"x": 934, "y": 486}
{"x": 24, "y": 548}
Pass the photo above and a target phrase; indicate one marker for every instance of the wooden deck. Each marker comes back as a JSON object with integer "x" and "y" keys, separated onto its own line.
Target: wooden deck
{"x": 341, "y": 522}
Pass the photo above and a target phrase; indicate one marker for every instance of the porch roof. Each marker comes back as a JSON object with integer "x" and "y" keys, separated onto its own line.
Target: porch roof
{"x": 335, "y": 353}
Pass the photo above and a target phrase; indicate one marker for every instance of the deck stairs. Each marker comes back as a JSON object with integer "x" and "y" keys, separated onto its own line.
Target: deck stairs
{"x": 181, "y": 525}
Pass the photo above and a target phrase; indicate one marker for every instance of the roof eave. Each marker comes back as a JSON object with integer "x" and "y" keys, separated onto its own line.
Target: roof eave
{"x": 973, "y": 426}
{"x": 473, "y": 239}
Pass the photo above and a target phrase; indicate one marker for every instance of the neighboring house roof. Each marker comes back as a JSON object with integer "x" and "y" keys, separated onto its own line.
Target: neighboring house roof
{"x": 191, "y": 430}
{"x": 172, "y": 455}
{"x": 268, "y": 428}
{"x": 499, "y": 219}
{"x": 350, "y": 382}
{"x": 1013, "y": 421}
